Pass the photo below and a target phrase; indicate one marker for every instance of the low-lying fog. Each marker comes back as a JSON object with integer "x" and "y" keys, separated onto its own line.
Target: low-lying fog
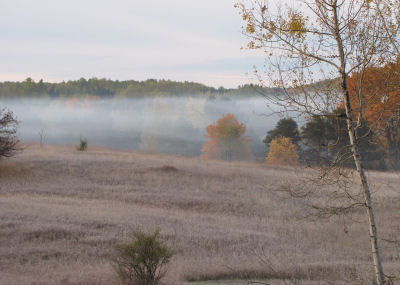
{"x": 162, "y": 124}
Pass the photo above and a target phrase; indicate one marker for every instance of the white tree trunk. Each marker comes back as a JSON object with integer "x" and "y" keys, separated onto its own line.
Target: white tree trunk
{"x": 373, "y": 235}
{"x": 364, "y": 186}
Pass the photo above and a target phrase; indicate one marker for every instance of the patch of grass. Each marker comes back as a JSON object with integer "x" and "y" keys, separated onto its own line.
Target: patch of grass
{"x": 52, "y": 234}
{"x": 165, "y": 168}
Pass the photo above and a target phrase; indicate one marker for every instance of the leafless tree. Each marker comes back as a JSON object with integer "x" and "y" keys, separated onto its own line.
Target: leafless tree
{"x": 389, "y": 13}
{"x": 324, "y": 39}
{"x": 8, "y": 130}
{"x": 41, "y": 137}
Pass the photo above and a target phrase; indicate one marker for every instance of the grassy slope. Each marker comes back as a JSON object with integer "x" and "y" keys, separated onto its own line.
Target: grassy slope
{"x": 62, "y": 210}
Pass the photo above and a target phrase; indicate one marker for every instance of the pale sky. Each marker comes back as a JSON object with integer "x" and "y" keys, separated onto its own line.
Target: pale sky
{"x": 124, "y": 39}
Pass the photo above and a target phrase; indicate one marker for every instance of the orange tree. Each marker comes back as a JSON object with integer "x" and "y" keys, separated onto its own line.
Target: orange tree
{"x": 375, "y": 95}
{"x": 227, "y": 140}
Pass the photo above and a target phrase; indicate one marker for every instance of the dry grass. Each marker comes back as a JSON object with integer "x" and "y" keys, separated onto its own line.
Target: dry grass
{"x": 61, "y": 211}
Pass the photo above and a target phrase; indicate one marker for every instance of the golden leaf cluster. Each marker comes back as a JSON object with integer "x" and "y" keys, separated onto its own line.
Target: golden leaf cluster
{"x": 283, "y": 152}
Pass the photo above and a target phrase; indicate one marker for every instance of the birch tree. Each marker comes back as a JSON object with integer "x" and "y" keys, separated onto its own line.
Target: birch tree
{"x": 323, "y": 39}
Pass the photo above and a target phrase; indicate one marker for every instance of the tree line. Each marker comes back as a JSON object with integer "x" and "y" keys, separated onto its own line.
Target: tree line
{"x": 324, "y": 141}
{"x": 321, "y": 141}
{"x": 107, "y": 88}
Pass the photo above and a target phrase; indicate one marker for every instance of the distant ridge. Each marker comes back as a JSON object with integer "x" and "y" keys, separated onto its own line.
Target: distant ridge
{"x": 107, "y": 88}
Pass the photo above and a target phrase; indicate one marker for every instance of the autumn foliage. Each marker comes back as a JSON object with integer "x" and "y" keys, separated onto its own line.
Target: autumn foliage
{"x": 375, "y": 92}
{"x": 227, "y": 140}
{"x": 375, "y": 95}
{"x": 283, "y": 152}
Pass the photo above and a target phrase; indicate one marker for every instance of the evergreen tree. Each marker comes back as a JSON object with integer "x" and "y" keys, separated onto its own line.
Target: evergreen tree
{"x": 286, "y": 127}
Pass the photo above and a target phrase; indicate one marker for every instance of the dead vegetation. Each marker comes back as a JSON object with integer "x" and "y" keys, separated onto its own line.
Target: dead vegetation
{"x": 61, "y": 212}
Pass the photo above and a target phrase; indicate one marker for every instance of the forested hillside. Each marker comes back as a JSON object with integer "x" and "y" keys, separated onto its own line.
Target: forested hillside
{"x": 106, "y": 88}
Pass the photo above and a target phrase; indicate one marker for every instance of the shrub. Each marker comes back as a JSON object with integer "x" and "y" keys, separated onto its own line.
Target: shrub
{"x": 143, "y": 260}
{"x": 83, "y": 144}
{"x": 283, "y": 151}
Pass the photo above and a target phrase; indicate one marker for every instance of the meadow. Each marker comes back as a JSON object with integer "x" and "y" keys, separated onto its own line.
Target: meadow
{"x": 61, "y": 212}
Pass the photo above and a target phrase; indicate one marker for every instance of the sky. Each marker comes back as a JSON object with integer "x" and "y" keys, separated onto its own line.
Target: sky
{"x": 181, "y": 40}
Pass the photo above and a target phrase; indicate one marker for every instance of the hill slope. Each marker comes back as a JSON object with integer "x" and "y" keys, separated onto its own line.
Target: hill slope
{"x": 62, "y": 211}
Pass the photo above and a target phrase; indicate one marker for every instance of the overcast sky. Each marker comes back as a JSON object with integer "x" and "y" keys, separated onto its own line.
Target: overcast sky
{"x": 124, "y": 39}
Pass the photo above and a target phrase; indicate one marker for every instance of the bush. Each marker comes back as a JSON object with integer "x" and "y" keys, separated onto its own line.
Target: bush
{"x": 83, "y": 145}
{"x": 143, "y": 260}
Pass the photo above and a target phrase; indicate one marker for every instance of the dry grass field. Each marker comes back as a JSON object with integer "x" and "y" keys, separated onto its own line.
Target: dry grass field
{"x": 61, "y": 212}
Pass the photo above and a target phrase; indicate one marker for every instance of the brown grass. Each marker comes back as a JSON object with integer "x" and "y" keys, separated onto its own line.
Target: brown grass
{"x": 61, "y": 211}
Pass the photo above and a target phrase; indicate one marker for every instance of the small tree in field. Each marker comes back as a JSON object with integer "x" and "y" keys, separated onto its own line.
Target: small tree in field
{"x": 282, "y": 151}
{"x": 227, "y": 140}
{"x": 83, "y": 144}
{"x": 143, "y": 260}
{"x": 8, "y": 130}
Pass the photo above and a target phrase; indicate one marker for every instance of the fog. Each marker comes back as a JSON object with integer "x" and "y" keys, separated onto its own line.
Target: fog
{"x": 173, "y": 125}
